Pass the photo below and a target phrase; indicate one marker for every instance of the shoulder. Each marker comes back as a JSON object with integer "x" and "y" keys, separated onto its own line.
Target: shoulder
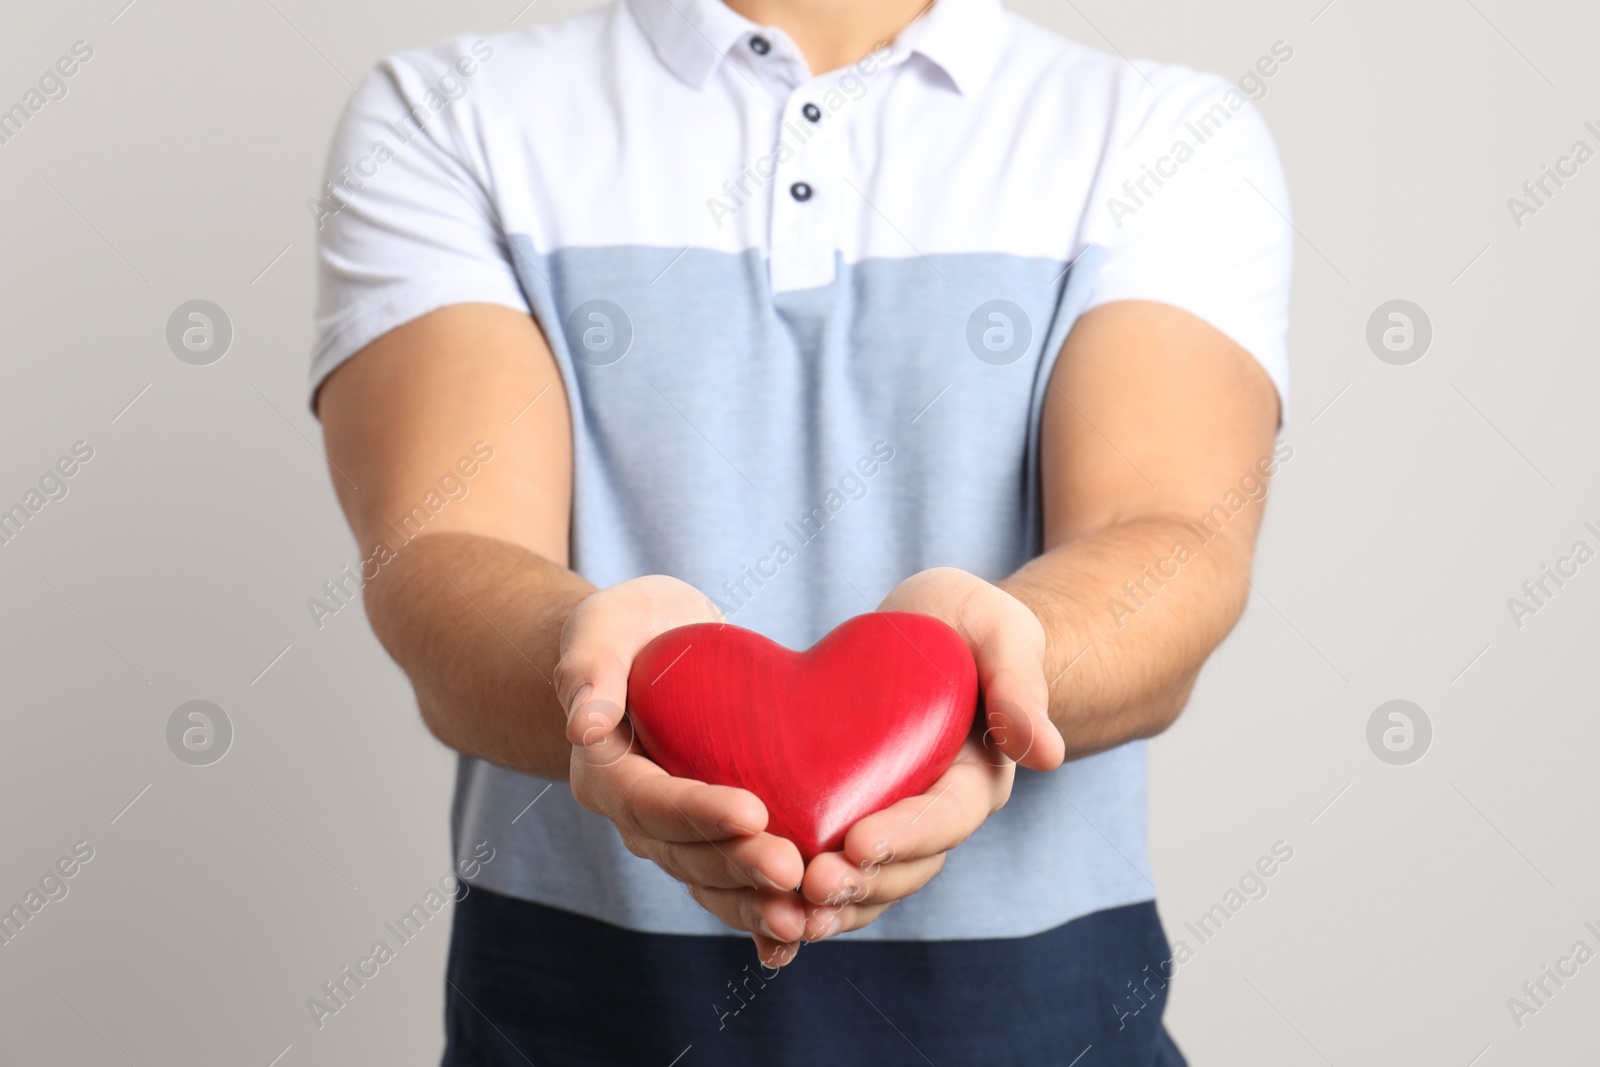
{"x": 1126, "y": 99}
{"x": 480, "y": 70}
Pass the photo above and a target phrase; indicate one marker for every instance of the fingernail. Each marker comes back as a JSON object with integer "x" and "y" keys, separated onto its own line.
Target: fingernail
{"x": 761, "y": 878}
{"x": 780, "y": 956}
{"x": 827, "y": 927}
{"x": 766, "y": 930}
{"x": 733, "y": 829}
{"x": 578, "y": 698}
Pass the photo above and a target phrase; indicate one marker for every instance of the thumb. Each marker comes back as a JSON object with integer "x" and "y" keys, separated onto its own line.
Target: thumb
{"x": 591, "y": 679}
{"x": 592, "y": 718}
{"x": 600, "y": 640}
{"x": 1016, "y": 714}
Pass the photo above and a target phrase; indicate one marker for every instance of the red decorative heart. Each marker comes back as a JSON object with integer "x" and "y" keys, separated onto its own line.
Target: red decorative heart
{"x": 871, "y": 714}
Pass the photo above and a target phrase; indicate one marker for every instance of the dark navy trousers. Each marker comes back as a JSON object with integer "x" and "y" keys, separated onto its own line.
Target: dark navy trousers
{"x": 535, "y": 985}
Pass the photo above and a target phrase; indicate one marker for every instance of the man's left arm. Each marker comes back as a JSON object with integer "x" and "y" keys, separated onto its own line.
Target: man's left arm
{"x": 1156, "y": 444}
{"x": 1156, "y": 447}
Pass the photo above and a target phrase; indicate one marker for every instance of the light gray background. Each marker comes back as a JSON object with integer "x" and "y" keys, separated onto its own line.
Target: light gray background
{"x": 1419, "y": 498}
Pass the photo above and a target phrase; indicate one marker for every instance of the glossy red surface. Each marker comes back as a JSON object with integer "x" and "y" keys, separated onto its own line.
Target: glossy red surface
{"x": 871, "y": 714}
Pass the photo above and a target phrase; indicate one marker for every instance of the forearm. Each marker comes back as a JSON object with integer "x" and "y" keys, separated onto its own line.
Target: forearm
{"x": 476, "y": 622}
{"x": 1129, "y": 621}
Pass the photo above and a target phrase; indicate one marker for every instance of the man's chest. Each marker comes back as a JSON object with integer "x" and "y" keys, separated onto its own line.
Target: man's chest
{"x": 808, "y": 179}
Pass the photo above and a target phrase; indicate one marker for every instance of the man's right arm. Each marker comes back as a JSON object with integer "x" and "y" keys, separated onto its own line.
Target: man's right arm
{"x": 497, "y": 635}
{"x": 473, "y": 596}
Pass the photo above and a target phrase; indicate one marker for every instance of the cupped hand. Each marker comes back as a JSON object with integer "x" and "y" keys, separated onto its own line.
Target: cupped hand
{"x": 712, "y": 838}
{"x": 891, "y": 854}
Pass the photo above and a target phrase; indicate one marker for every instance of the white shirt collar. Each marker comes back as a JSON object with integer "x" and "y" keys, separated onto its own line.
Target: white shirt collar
{"x": 964, "y": 38}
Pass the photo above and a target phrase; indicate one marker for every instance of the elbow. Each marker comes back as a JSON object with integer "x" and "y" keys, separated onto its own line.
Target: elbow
{"x": 1163, "y": 708}
{"x": 435, "y": 717}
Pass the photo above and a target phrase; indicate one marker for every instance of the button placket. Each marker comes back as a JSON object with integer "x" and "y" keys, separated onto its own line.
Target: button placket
{"x": 806, "y": 193}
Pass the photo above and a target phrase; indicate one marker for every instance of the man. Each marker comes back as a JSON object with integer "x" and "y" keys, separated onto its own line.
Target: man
{"x": 781, "y": 311}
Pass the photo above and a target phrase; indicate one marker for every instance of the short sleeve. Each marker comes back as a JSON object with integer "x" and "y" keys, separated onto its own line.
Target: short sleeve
{"x": 1193, "y": 211}
{"x": 406, "y": 224}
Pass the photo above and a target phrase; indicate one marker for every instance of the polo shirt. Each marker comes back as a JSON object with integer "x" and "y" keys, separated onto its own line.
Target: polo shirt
{"x": 805, "y": 325}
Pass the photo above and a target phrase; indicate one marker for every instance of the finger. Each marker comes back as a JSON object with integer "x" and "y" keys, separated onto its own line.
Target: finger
{"x": 1016, "y": 696}
{"x": 1008, "y": 645}
{"x": 677, "y": 809}
{"x": 612, "y": 778}
{"x": 778, "y": 917}
{"x": 774, "y": 954}
{"x": 589, "y": 721}
{"x": 759, "y": 861}
{"x": 615, "y": 748}
{"x": 601, "y": 638}
{"x": 827, "y": 921}
{"x": 932, "y": 822}
{"x": 1022, "y": 733}
{"x": 831, "y": 879}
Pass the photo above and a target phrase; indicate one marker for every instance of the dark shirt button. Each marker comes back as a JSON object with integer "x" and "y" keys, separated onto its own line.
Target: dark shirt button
{"x": 800, "y": 191}
{"x": 812, "y": 112}
{"x": 760, "y": 45}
